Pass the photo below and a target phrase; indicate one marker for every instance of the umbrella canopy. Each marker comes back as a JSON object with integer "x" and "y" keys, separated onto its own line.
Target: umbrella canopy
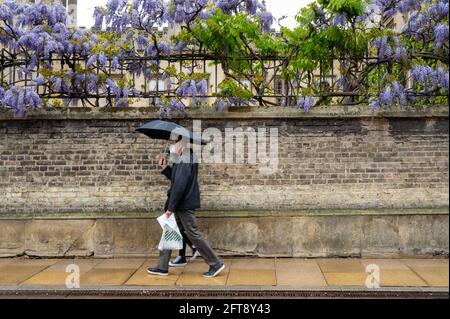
{"x": 162, "y": 130}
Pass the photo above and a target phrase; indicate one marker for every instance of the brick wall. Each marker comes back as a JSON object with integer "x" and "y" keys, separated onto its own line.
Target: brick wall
{"x": 95, "y": 162}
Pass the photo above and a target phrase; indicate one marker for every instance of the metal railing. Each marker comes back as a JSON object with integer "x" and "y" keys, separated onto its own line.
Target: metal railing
{"x": 339, "y": 80}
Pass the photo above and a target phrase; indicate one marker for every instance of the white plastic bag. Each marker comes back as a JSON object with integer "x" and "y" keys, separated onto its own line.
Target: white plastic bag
{"x": 171, "y": 238}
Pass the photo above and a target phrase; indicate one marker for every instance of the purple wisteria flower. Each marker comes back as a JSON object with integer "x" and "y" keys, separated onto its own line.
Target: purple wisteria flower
{"x": 386, "y": 97}
{"x": 430, "y": 79}
{"x": 389, "y": 47}
{"x": 305, "y": 103}
{"x": 92, "y": 83}
{"x": 19, "y": 100}
{"x": 394, "y": 94}
{"x": 221, "y": 104}
{"x": 176, "y": 105}
{"x": 102, "y": 59}
{"x": 91, "y": 60}
{"x": 113, "y": 5}
{"x": 169, "y": 85}
{"x": 374, "y": 105}
{"x": 251, "y": 6}
{"x": 441, "y": 35}
{"x": 408, "y": 5}
{"x": 202, "y": 87}
{"x": 438, "y": 11}
{"x": 227, "y": 6}
{"x": 179, "y": 14}
{"x": 98, "y": 18}
{"x": 115, "y": 63}
{"x": 38, "y": 31}
{"x": 173, "y": 105}
{"x": 142, "y": 42}
{"x": 399, "y": 93}
{"x": 339, "y": 20}
{"x": 6, "y": 14}
{"x": 39, "y": 80}
{"x": 266, "y": 19}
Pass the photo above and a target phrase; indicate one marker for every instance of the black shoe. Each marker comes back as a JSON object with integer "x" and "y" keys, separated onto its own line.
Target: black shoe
{"x": 156, "y": 271}
{"x": 180, "y": 261}
{"x": 214, "y": 271}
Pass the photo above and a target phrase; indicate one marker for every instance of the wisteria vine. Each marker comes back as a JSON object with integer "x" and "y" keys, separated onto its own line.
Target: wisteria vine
{"x": 54, "y": 61}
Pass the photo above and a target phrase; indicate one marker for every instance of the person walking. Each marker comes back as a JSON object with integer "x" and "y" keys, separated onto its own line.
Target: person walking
{"x": 183, "y": 199}
{"x": 180, "y": 260}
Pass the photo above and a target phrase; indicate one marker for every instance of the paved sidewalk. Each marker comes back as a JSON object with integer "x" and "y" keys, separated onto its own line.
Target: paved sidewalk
{"x": 23, "y": 274}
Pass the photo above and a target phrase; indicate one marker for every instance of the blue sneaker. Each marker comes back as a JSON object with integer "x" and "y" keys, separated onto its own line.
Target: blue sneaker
{"x": 214, "y": 271}
{"x": 178, "y": 262}
{"x": 156, "y": 271}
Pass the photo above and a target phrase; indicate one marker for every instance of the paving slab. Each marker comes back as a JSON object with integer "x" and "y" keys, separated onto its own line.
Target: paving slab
{"x": 192, "y": 275}
{"x": 56, "y": 274}
{"x": 252, "y": 272}
{"x": 46, "y": 262}
{"x": 106, "y": 277}
{"x": 337, "y": 265}
{"x": 300, "y": 273}
{"x": 22, "y": 269}
{"x": 13, "y": 274}
{"x": 240, "y": 273}
{"x": 400, "y": 278}
{"x": 425, "y": 262}
{"x": 142, "y": 278}
{"x": 433, "y": 276}
{"x": 122, "y": 263}
{"x": 83, "y": 264}
{"x": 47, "y": 278}
{"x": 385, "y": 264}
{"x": 346, "y": 278}
{"x": 6, "y": 261}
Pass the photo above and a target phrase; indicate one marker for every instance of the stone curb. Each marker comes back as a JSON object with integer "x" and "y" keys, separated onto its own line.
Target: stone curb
{"x": 146, "y": 113}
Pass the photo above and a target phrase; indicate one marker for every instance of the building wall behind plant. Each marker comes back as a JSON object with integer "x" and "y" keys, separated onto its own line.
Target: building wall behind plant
{"x": 64, "y": 165}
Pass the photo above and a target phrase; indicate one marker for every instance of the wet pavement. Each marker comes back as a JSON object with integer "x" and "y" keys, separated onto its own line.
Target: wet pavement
{"x": 279, "y": 274}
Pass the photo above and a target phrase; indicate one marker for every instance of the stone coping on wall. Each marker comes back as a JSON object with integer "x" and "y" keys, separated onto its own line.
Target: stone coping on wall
{"x": 334, "y": 111}
{"x": 238, "y": 213}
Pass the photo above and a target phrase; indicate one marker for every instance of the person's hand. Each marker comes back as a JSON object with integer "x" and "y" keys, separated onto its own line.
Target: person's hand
{"x": 168, "y": 213}
{"x": 162, "y": 161}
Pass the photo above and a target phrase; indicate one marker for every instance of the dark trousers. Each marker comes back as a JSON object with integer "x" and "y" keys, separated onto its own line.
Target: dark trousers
{"x": 188, "y": 221}
{"x": 186, "y": 240}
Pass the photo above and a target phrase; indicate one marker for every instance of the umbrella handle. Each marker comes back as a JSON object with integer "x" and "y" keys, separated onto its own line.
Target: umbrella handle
{"x": 166, "y": 153}
{"x": 167, "y": 150}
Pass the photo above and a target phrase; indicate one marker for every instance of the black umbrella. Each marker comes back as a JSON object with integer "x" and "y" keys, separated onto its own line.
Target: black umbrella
{"x": 162, "y": 130}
